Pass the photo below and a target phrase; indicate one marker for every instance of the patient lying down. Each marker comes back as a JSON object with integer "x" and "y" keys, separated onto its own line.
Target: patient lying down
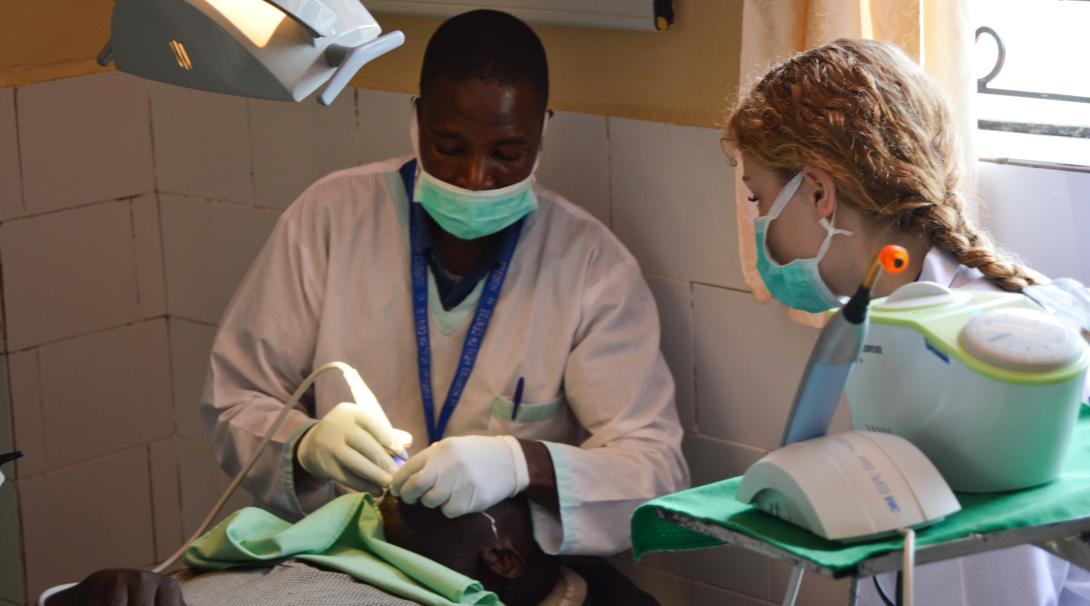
{"x": 495, "y": 547}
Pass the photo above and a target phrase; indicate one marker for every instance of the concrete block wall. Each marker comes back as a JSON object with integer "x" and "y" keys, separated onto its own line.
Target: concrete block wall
{"x": 129, "y": 212}
{"x": 89, "y": 349}
{"x": 86, "y": 344}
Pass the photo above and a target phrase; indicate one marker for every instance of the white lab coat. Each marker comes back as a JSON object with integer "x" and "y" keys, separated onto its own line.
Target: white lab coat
{"x": 1018, "y": 576}
{"x": 575, "y": 318}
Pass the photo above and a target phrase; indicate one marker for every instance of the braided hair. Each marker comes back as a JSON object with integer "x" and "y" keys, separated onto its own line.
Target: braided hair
{"x": 865, "y": 113}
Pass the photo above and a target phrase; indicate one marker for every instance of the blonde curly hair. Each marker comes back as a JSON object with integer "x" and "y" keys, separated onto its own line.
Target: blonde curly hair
{"x": 865, "y": 113}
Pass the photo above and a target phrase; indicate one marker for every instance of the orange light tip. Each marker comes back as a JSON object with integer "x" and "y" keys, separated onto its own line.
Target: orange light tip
{"x": 894, "y": 259}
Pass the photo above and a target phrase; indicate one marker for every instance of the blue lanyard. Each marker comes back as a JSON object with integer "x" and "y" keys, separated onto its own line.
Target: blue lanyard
{"x": 474, "y": 338}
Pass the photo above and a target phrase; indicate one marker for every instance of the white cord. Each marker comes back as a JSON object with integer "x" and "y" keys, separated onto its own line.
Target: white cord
{"x": 492, "y": 522}
{"x": 908, "y": 563}
{"x": 52, "y": 591}
{"x": 358, "y": 389}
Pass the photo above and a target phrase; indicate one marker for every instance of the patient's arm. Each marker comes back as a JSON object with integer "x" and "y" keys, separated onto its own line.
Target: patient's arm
{"x": 122, "y": 586}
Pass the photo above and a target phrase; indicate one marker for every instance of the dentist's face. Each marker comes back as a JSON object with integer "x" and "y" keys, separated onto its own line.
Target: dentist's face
{"x": 796, "y": 233}
{"x": 478, "y": 134}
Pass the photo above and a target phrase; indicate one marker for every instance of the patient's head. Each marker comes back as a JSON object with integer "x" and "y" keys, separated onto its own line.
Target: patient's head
{"x": 507, "y": 561}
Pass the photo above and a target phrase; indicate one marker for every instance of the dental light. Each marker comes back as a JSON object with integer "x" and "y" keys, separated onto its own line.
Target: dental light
{"x": 268, "y": 49}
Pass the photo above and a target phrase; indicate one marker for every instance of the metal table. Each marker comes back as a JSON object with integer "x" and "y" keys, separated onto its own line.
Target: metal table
{"x": 1065, "y": 540}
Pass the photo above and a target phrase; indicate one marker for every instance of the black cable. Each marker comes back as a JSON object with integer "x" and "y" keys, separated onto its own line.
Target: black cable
{"x": 900, "y": 588}
{"x": 882, "y": 592}
{"x": 10, "y": 456}
{"x": 855, "y": 310}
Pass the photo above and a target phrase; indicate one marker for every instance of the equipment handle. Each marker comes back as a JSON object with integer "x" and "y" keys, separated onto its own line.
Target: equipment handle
{"x": 350, "y": 60}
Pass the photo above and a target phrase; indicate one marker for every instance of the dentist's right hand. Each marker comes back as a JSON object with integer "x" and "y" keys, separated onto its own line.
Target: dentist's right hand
{"x": 351, "y": 445}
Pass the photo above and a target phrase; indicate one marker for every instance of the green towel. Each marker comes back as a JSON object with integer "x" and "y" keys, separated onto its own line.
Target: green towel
{"x": 1064, "y": 499}
{"x": 346, "y": 535}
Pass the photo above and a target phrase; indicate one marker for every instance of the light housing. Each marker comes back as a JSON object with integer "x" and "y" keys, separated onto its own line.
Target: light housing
{"x": 267, "y": 49}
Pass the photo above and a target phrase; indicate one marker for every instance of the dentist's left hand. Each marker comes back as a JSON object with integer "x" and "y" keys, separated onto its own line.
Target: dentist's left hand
{"x": 463, "y": 474}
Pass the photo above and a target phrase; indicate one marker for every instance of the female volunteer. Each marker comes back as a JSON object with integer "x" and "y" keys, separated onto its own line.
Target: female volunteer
{"x": 849, "y": 147}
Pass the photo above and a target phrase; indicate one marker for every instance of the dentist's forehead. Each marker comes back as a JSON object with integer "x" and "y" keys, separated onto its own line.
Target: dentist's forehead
{"x": 475, "y": 104}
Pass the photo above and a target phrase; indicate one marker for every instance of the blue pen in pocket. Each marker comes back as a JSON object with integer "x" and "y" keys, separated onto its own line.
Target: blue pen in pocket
{"x": 518, "y": 398}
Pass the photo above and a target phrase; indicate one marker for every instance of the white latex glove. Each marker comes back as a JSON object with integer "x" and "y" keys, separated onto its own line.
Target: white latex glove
{"x": 463, "y": 474}
{"x": 352, "y": 445}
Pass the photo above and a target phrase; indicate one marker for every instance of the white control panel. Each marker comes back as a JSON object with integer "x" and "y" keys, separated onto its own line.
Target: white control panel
{"x": 1025, "y": 340}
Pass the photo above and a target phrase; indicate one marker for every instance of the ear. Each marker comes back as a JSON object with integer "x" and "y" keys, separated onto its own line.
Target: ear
{"x": 504, "y": 560}
{"x": 548, "y": 117}
{"x": 419, "y": 106}
{"x": 822, "y": 191}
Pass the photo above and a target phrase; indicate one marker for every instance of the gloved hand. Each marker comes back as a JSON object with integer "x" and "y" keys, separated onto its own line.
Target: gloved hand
{"x": 351, "y": 445}
{"x": 463, "y": 474}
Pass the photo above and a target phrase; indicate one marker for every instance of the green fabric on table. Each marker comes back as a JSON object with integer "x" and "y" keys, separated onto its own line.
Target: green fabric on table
{"x": 346, "y": 535}
{"x": 1064, "y": 499}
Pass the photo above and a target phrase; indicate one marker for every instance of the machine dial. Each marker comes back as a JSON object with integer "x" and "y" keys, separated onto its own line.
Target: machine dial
{"x": 1025, "y": 340}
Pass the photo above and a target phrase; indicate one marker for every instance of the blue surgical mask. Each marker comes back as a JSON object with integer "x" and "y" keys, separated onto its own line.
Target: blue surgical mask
{"x": 797, "y": 284}
{"x": 466, "y": 213}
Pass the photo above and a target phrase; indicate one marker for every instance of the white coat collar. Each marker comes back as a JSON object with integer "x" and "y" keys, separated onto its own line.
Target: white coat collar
{"x": 941, "y": 267}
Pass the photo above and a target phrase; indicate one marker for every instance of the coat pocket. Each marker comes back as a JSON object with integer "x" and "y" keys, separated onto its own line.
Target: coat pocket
{"x": 550, "y": 420}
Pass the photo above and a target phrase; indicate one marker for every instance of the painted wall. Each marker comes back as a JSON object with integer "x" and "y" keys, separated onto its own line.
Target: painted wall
{"x": 51, "y": 39}
{"x": 682, "y": 75}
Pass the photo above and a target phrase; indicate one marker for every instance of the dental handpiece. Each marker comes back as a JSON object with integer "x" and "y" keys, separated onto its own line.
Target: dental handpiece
{"x": 835, "y": 353}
